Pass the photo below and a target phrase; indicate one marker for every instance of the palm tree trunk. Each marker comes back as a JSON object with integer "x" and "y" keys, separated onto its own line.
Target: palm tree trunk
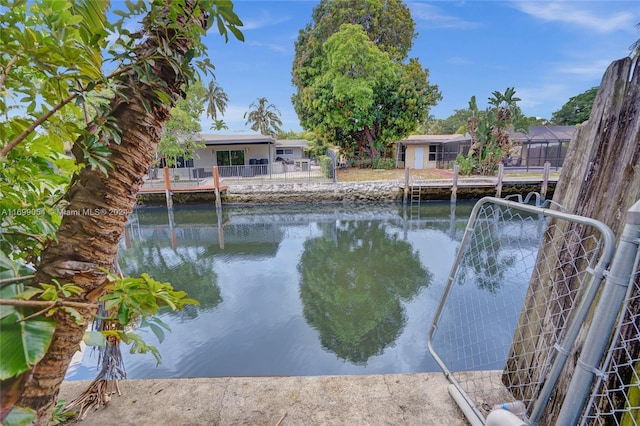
{"x": 98, "y": 211}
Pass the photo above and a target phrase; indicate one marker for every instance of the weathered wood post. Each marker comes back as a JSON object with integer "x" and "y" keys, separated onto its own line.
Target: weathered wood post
{"x": 499, "y": 184}
{"x": 454, "y": 185}
{"x": 545, "y": 180}
{"x": 405, "y": 198}
{"x": 167, "y": 187}
{"x": 600, "y": 179}
{"x": 216, "y": 186}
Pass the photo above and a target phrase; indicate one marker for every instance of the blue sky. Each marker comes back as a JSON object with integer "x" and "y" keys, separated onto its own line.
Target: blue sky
{"x": 547, "y": 50}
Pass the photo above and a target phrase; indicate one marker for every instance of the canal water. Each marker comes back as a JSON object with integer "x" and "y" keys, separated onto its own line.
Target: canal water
{"x": 292, "y": 290}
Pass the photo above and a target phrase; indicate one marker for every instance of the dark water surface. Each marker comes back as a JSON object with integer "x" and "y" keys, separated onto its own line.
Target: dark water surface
{"x": 292, "y": 290}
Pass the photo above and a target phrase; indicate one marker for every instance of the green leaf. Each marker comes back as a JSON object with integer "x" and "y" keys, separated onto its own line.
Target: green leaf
{"x": 123, "y": 314}
{"x": 8, "y": 292}
{"x": 29, "y": 293}
{"x": 23, "y": 343}
{"x": 77, "y": 316}
{"x": 19, "y": 416}
{"x": 236, "y": 32}
{"x": 9, "y": 265}
{"x": 94, "y": 338}
{"x": 157, "y": 331}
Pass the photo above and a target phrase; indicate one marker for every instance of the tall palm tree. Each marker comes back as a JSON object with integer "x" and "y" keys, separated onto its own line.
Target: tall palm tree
{"x": 217, "y": 100}
{"x": 219, "y": 125}
{"x": 263, "y": 117}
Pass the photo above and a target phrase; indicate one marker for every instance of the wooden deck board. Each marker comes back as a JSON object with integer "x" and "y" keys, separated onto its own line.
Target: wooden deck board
{"x": 158, "y": 190}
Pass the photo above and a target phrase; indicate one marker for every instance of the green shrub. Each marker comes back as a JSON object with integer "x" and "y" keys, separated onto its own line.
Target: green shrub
{"x": 467, "y": 164}
{"x": 384, "y": 163}
{"x": 326, "y": 165}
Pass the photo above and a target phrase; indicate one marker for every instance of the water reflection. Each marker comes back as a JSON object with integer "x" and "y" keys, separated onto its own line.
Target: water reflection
{"x": 489, "y": 262}
{"x": 294, "y": 290}
{"x": 152, "y": 247}
{"x": 353, "y": 278}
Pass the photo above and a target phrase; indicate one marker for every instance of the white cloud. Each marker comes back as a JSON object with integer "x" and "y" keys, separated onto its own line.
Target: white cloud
{"x": 265, "y": 19}
{"x": 578, "y": 14}
{"x": 436, "y": 18}
{"x": 274, "y": 47}
{"x": 543, "y": 95}
{"x": 591, "y": 70}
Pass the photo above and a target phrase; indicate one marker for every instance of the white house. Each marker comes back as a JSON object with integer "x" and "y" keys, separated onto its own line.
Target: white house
{"x": 426, "y": 151}
{"x": 290, "y": 149}
{"x": 234, "y": 150}
{"x": 239, "y": 150}
{"x": 540, "y": 145}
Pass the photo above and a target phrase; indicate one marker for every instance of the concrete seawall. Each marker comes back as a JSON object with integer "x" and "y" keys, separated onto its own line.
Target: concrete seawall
{"x": 382, "y": 191}
{"x": 353, "y": 192}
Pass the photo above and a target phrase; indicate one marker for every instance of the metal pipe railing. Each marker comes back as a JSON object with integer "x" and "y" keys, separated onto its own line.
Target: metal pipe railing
{"x": 604, "y": 319}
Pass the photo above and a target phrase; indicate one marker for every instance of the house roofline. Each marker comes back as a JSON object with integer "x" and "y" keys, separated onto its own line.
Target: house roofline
{"x": 213, "y": 140}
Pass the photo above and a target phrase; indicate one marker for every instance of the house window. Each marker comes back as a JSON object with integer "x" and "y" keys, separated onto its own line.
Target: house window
{"x": 433, "y": 150}
{"x": 230, "y": 158}
{"x": 284, "y": 151}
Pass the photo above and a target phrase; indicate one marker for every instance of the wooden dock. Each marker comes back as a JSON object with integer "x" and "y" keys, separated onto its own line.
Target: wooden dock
{"x": 161, "y": 190}
{"x": 209, "y": 185}
{"x": 413, "y": 188}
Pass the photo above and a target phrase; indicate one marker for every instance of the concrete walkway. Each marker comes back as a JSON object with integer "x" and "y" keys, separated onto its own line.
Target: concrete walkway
{"x": 393, "y": 399}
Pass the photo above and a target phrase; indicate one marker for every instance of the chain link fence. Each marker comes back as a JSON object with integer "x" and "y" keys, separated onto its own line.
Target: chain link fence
{"x": 519, "y": 290}
{"x": 615, "y": 398}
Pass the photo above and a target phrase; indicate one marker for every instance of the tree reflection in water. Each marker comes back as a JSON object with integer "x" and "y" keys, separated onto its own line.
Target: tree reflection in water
{"x": 353, "y": 279}
{"x": 186, "y": 270}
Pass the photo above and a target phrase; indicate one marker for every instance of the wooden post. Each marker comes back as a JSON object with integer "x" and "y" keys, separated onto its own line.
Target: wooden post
{"x": 216, "y": 186}
{"x": 405, "y": 199}
{"x": 545, "y": 180}
{"x": 600, "y": 178}
{"x": 454, "y": 186}
{"x": 499, "y": 185}
{"x": 167, "y": 187}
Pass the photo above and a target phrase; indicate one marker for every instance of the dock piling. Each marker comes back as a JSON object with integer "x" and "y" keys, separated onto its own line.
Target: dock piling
{"x": 167, "y": 187}
{"x": 454, "y": 185}
{"x": 545, "y": 180}
{"x": 216, "y": 186}
{"x": 406, "y": 186}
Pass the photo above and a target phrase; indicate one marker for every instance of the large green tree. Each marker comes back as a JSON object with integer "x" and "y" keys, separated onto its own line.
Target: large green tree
{"x": 457, "y": 122}
{"x": 52, "y": 57}
{"x": 576, "y": 110}
{"x": 355, "y": 86}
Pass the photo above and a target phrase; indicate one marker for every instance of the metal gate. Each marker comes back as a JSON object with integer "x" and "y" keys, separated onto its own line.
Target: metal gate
{"x": 519, "y": 290}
